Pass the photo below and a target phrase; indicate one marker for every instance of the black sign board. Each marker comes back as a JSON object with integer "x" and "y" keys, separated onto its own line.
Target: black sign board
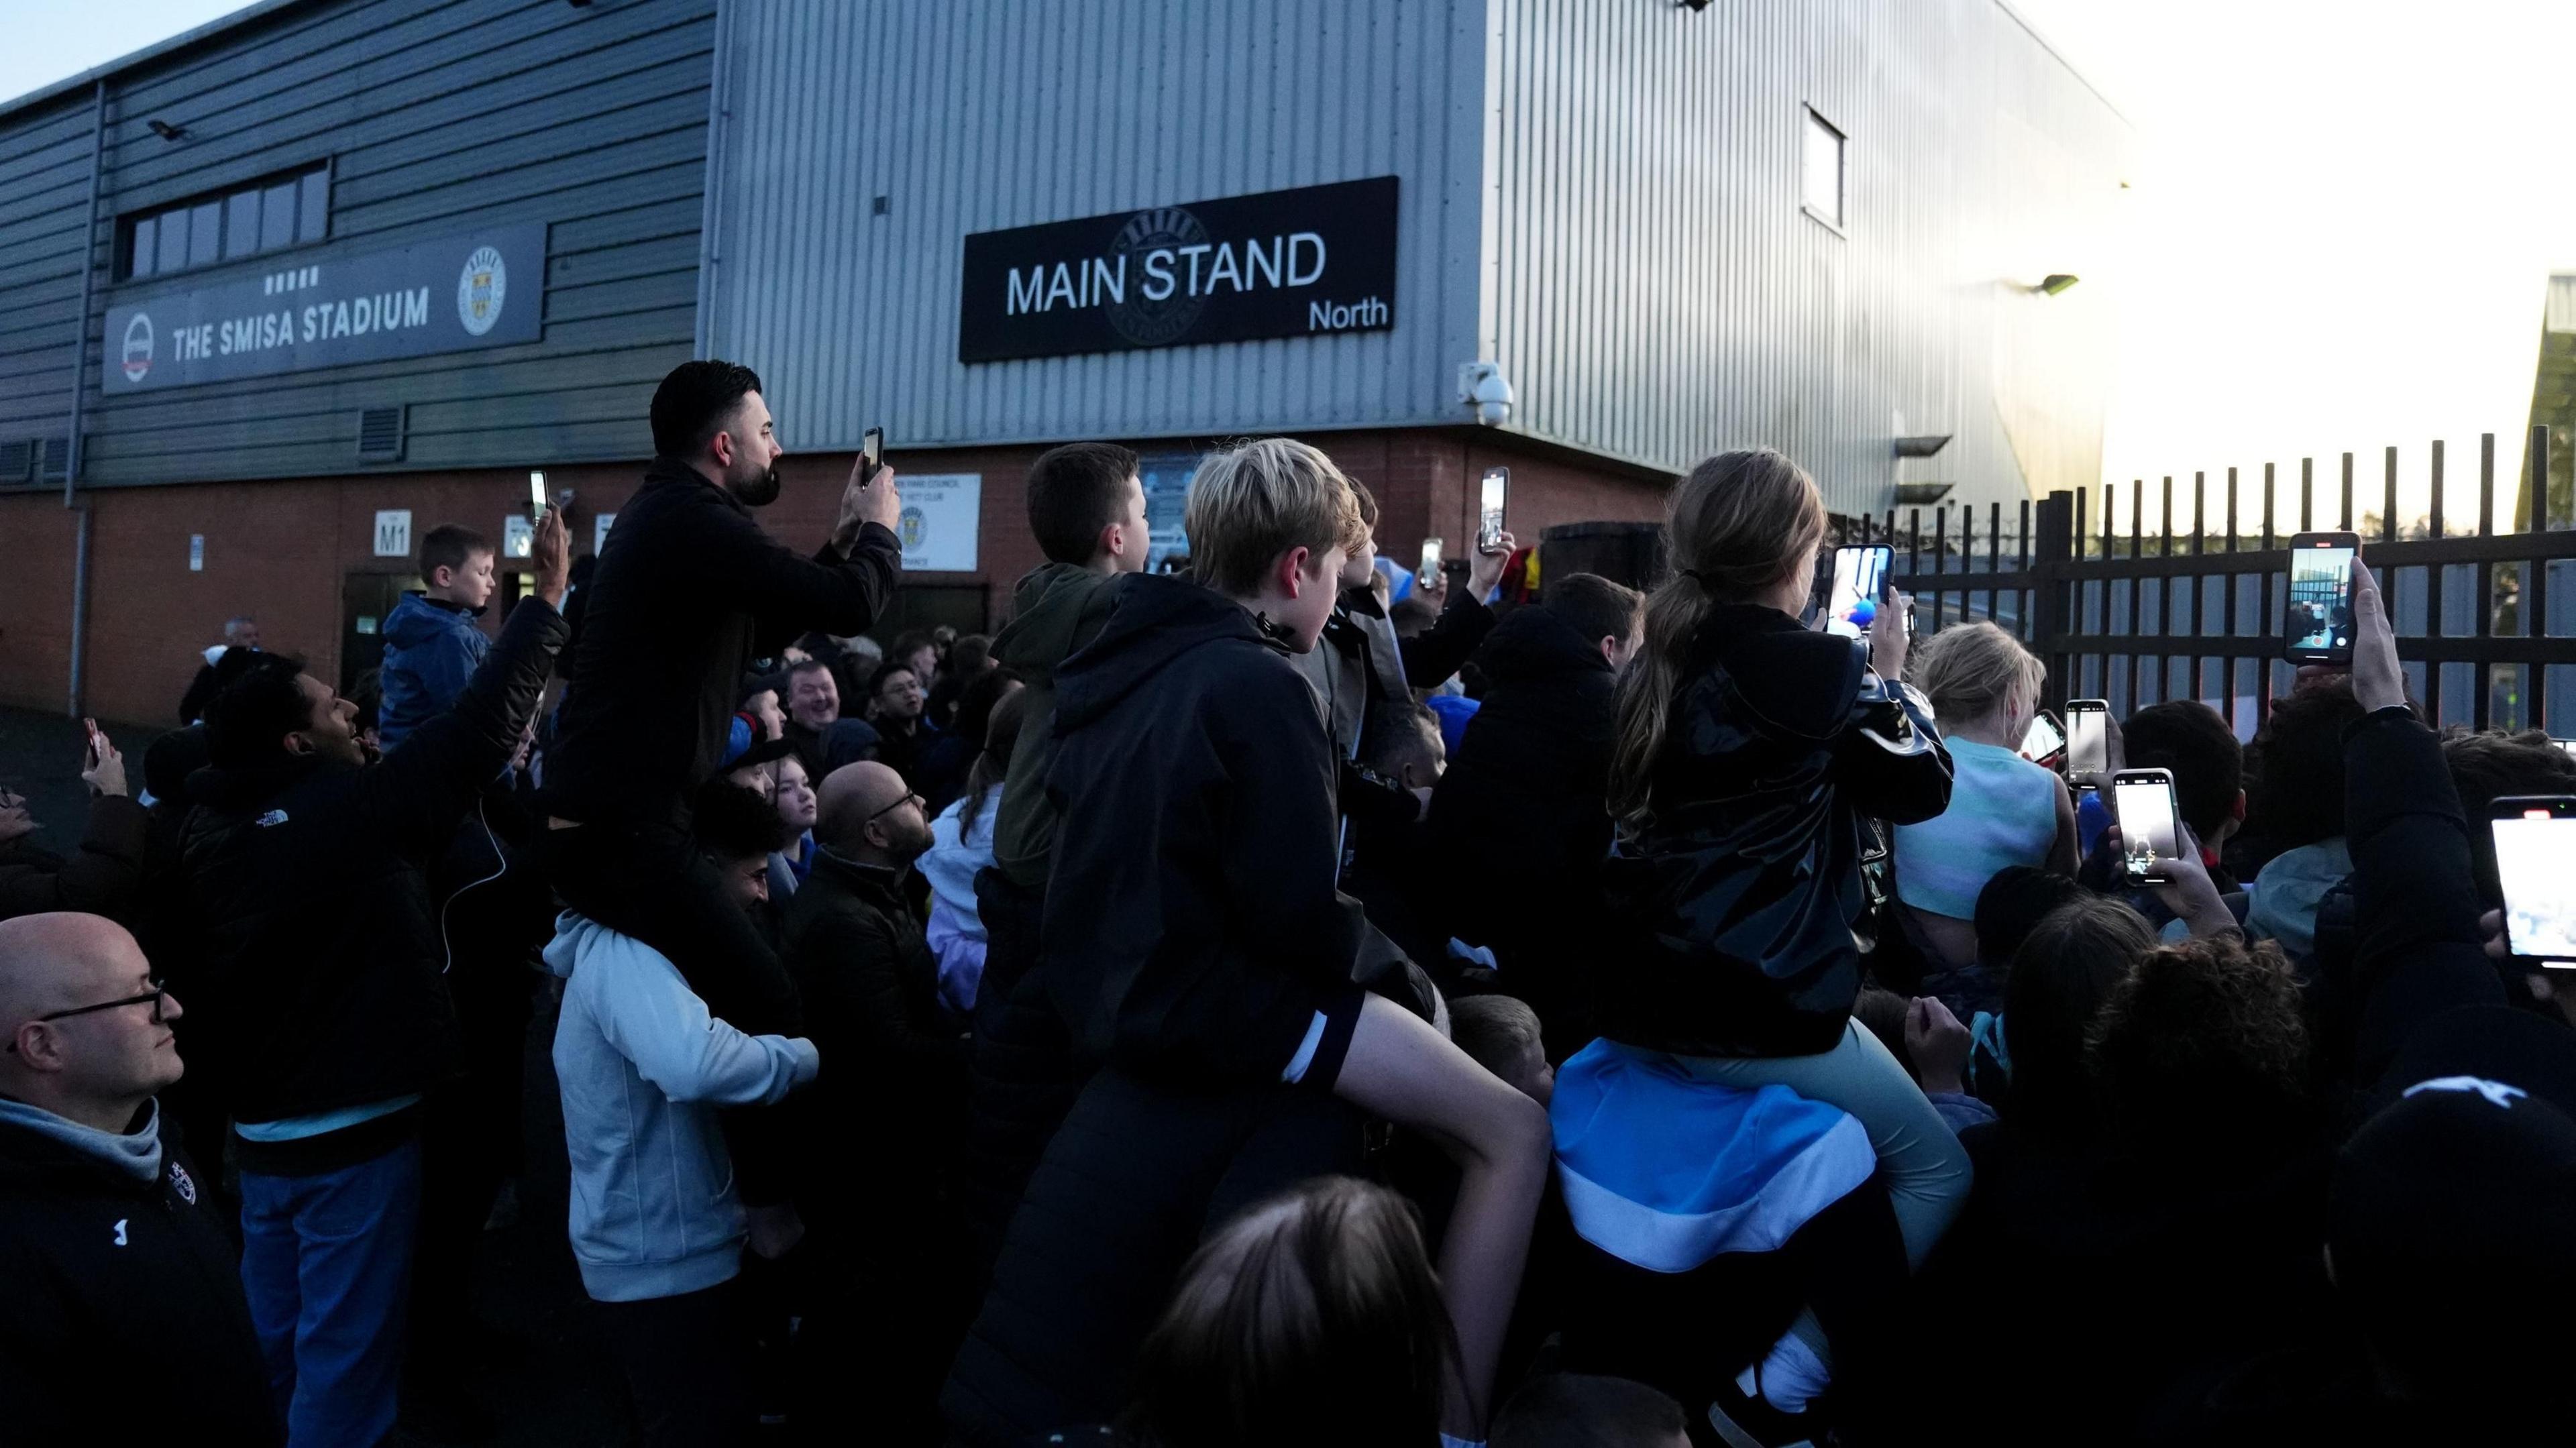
{"x": 1280, "y": 264}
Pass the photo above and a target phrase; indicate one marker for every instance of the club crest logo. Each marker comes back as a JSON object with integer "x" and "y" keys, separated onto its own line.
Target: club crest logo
{"x": 184, "y": 1184}
{"x": 1141, "y": 319}
{"x": 912, "y": 527}
{"x": 137, "y": 354}
{"x": 481, "y": 289}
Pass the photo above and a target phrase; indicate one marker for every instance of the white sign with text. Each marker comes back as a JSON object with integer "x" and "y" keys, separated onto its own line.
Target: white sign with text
{"x": 941, "y": 514}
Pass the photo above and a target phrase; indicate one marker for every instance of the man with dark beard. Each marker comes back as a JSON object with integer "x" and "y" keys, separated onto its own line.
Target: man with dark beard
{"x": 689, "y": 590}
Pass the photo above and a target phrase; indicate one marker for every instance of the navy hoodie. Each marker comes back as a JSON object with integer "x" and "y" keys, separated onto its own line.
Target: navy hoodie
{"x": 1192, "y": 927}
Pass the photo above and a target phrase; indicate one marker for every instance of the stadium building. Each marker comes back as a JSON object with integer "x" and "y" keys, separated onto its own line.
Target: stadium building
{"x": 281, "y": 294}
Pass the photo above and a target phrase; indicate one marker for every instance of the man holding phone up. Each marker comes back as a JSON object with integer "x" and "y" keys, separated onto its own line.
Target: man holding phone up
{"x": 689, "y": 590}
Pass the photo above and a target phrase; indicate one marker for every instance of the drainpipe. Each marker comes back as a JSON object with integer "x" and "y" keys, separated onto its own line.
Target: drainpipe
{"x": 80, "y": 378}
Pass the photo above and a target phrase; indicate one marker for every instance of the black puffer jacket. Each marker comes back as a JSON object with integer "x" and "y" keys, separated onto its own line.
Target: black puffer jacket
{"x": 1517, "y": 829}
{"x": 308, "y": 883}
{"x": 1739, "y": 893}
{"x": 123, "y": 1319}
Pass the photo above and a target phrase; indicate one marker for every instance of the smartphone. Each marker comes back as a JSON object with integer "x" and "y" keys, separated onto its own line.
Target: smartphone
{"x": 1852, "y": 596}
{"x": 872, "y": 448}
{"x": 2044, "y": 740}
{"x": 2316, "y": 624}
{"x": 1428, "y": 575}
{"x": 2088, "y": 736}
{"x": 537, "y": 503}
{"x": 97, "y": 741}
{"x": 2143, "y": 802}
{"x": 1489, "y": 511}
{"x": 2535, "y": 850}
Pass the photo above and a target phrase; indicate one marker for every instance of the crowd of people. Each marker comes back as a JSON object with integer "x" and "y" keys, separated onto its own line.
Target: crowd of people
{"x": 1274, "y": 1001}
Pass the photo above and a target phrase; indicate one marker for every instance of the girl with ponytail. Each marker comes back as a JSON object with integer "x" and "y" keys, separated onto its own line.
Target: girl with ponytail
{"x": 1750, "y": 749}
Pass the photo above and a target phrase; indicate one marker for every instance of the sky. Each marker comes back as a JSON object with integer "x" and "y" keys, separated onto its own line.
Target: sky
{"x": 2340, "y": 223}
{"x": 2340, "y": 230}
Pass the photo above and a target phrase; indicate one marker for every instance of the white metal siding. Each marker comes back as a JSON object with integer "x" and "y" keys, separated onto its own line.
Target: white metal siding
{"x": 970, "y": 115}
{"x": 1659, "y": 293}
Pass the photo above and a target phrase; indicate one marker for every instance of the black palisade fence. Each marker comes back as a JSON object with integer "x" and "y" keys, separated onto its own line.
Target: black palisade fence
{"x": 2486, "y": 621}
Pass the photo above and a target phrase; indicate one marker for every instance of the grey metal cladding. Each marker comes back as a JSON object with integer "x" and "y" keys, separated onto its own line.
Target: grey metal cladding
{"x": 1602, "y": 195}
{"x": 978, "y": 117}
{"x": 430, "y": 113}
{"x": 1659, "y": 294}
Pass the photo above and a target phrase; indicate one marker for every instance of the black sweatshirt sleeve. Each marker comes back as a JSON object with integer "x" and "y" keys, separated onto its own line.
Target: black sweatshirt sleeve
{"x": 420, "y": 791}
{"x": 787, "y": 593}
{"x": 2417, "y": 947}
{"x": 1434, "y": 655}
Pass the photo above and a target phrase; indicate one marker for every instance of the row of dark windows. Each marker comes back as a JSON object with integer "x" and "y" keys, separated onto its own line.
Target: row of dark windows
{"x": 274, "y": 214}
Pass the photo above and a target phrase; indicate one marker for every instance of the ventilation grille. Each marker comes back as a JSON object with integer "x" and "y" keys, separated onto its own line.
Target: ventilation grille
{"x": 58, "y": 458}
{"x": 380, "y": 434}
{"x": 17, "y": 459}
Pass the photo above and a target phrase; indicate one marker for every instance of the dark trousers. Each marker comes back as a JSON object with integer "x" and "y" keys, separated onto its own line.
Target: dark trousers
{"x": 648, "y": 881}
{"x": 1136, "y": 1177}
{"x": 687, "y": 1365}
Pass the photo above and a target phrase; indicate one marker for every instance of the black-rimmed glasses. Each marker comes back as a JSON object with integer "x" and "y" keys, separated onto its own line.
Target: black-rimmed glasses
{"x": 898, "y": 804}
{"x": 156, "y": 995}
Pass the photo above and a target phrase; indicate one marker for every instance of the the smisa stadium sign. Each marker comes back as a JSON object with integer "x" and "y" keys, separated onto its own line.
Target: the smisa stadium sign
{"x": 1279, "y": 264}
{"x": 478, "y": 289}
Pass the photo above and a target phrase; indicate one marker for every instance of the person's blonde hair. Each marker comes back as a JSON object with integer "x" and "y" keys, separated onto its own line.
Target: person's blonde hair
{"x": 1257, "y": 499}
{"x": 1741, "y": 522}
{"x": 1970, "y": 670}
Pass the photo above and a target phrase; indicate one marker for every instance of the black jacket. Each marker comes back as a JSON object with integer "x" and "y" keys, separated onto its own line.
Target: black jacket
{"x": 1191, "y": 921}
{"x": 689, "y": 590}
{"x": 1364, "y": 675}
{"x": 894, "y": 1069}
{"x": 309, "y": 886}
{"x": 123, "y": 1319}
{"x": 1056, "y": 608}
{"x": 101, "y": 880}
{"x": 1518, "y": 828}
{"x": 1739, "y": 893}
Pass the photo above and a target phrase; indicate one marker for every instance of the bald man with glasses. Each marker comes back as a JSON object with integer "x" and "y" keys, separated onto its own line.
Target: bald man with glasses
{"x": 121, "y": 1308}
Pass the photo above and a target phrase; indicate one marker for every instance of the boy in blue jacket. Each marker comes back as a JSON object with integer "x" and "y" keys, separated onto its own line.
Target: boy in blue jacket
{"x": 432, "y": 642}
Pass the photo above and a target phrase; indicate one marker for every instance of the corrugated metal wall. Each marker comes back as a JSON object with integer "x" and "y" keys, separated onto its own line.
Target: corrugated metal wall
{"x": 1659, "y": 293}
{"x": 974, "y": 117}
{"x": 429, "y": 112}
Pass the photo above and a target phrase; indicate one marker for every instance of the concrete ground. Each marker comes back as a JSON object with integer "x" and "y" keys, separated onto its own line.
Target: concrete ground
{"x": 545, "y": 1377}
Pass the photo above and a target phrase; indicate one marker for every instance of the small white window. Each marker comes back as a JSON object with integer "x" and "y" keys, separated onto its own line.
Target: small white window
{"x": 1822, "y": 187}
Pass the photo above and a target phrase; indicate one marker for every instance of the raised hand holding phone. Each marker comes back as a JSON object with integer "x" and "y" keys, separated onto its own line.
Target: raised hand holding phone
{"x": 867, "y": 499}
{"x": 1889, "y": 635}
{"x": 2378, "y": 680}
{"x": 103, "y": 768}
{"x": 551, "y": 551}
{"x": 1486, "y": 570}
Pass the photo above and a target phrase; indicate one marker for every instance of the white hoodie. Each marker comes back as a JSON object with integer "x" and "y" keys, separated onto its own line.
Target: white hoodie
{"x": 643, "y": 1069}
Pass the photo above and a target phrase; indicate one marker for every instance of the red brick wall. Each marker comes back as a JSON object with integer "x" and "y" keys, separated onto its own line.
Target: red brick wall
{"x": 278, "y": 550}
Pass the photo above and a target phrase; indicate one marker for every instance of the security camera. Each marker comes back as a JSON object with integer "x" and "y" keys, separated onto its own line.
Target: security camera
{"x": 1482, "y": 386}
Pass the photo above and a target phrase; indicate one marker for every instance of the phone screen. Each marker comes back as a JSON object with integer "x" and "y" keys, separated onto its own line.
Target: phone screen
{"x": 2088, "y": 742}
{"x": 2536, "y": 863}
{"x": 1430, "y": 569}
{"x": 872, "y": 447}
{"x": 536, "y": 496}
{"x": 1852, "y": 599}
{"x": 2318, "y": 618}
{"x": 1489, "y": 507}
{"x": 2043, "y": 739}
{"x": 2144, "y": 804}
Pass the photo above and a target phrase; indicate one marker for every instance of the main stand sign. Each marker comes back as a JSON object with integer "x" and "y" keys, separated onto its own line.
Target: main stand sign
{"x": 479, "y": 289}
{"x": 1319, "y": 259}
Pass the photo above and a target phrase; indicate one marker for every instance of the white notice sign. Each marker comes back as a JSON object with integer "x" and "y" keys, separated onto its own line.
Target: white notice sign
{"x": 196, "y": 553}
{"x": 518, "y": 536}
{"x": 599, "y": 531}
{"x": 393, "y": 533}
{"x": 941, "y": 513}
